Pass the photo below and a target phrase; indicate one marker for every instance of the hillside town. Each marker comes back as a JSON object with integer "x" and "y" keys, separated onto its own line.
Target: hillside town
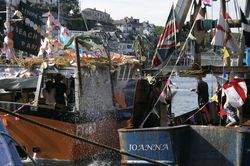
{"x": 119, "y": 34}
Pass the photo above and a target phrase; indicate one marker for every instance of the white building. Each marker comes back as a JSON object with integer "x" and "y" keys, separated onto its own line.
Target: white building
{"x": 93, "y": 14}
{"x": 43, "y": 2}
{"x": 148, "y": 29}
{"x": 129, "y": 25}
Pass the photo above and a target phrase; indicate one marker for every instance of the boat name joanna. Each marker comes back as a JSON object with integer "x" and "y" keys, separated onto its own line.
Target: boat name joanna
{"x": 147, "y": 147}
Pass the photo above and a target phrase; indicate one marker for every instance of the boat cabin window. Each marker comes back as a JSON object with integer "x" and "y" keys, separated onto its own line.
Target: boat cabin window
{"x": 17, "y": 84}
{"x": 57, "y": 90}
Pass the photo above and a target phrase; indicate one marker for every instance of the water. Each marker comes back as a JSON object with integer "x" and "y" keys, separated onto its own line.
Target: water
{"x": 185, "y": 100}
{"x": 100, "y": 163}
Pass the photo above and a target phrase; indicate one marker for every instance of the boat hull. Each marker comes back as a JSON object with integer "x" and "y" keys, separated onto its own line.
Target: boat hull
{"x": 188, "y": 145}
{"x": 51, "y": 145}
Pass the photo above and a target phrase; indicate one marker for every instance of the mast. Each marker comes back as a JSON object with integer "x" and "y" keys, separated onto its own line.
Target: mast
{"x": 247, "y": 8}
{"x": 242, "y": 39}
{"x": 223, "y": 12}
{"x": 58, "y": 10}
{"x": 8, "y": 3}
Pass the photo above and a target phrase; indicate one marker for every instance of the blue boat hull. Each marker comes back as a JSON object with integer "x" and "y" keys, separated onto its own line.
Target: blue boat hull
{"x": 188, "y": 145}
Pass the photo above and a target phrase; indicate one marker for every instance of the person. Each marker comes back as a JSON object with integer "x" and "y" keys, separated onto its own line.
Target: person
{"x": 232, "y": 118}
{"x": 49, "y": 93}
{"x": 60, "y": 91}
{"x": 203, "y": 98}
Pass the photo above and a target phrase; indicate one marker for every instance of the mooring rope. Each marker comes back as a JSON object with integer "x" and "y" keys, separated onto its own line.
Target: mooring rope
{"x": 82, "y": 138}
{"x": 195, "y": 112}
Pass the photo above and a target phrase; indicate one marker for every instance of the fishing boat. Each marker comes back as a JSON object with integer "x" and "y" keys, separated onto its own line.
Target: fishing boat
{"x": 184, "y": 140}
{"x": 95, "y": 117}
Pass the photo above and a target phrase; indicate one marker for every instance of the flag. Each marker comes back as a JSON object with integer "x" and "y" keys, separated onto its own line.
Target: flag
{"x": 191, "y": 36}
{"x": 224, "y": 72}
{"x": 223, "y": 113}
{"x": 215, "y": 98}
{"x": 207, "y": 2}
{"x": 199, "y": 17}
{"x": 246, "y": 29}
{"x": 66, "y": 38}
{"x": 167, "y": 43}
{"x": 225, "y": 53}
{"x": 224, "y": 37}
{"x": 236, "y": 92}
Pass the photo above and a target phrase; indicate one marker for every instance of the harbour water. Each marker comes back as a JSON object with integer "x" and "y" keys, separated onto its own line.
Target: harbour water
{"x": 185, "y": 100}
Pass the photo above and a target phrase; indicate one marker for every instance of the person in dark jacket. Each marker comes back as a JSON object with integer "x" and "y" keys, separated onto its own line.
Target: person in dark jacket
{"x": 61, "y": 90}
{"x": 203, "y": 98}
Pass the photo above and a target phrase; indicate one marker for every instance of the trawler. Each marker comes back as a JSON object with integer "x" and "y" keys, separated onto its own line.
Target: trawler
{"x": 98, "y": 101}
{"x": 156, "y": 134}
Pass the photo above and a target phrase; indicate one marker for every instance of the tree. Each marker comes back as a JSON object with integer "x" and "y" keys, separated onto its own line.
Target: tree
{"x": 159, "y": 30}
{"x": 85, "y": 41}
{"x": 68, "y": 6}
{"x": 142, "y": 47}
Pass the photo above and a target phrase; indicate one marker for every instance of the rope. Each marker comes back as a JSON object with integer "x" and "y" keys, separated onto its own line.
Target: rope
{"x": 196, "y": 112}
{"x": 31, "y": 158}
{"x": 15, "y": 111}
{"x": 182, "y": 50}
{"x": 81, "y": 138}
{"x": 180, "y": 55}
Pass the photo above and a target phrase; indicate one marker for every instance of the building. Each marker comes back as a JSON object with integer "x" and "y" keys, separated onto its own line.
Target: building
{"x": 93, "y": 14}
{"x": 125, "y": 48}
{"x": 148, "y": 29}
{"x": 48, "y": 2}
{"x": 129, "y": 25}
{"x": 43, "y": 2}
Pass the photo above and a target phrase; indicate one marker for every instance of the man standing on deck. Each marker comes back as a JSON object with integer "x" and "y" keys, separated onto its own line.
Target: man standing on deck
{"x": 61, "y": 91}
{"x": 203, "y": 98}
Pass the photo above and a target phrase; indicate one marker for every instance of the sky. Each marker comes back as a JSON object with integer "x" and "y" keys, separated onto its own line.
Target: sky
{"x": 154, "y": 11}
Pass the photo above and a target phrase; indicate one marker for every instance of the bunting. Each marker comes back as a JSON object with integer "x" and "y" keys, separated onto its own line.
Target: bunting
{"x": 167, "y": 42}
{"x": 225, "y": 53}
{"x": 65, "y": 37}
{"x": 236, "y": 92}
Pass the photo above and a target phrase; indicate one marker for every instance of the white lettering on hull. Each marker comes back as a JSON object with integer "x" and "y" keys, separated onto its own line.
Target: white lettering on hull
{"x": 148, "y": 147}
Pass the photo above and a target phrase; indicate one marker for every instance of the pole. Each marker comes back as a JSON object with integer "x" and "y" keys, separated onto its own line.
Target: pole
{"x": 8, "y": 3}
{"x": 106, "y": 48}
{"x": 78, "y": 65}
{"x": 223, "y": 12}
{"x": 58, "y": 10}
{"x": 247, "y": 8}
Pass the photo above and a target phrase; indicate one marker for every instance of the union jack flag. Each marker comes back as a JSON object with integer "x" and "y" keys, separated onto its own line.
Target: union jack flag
{"x": 167, "y": 42}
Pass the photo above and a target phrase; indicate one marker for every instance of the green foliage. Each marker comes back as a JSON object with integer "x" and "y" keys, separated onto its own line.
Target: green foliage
{"x": 142, "y": 45}
{"x": 75, "y": 23}
{"x": 159, "y": 30}
{"x": 84, "y": 41}
{"x": 69, "y": 5}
